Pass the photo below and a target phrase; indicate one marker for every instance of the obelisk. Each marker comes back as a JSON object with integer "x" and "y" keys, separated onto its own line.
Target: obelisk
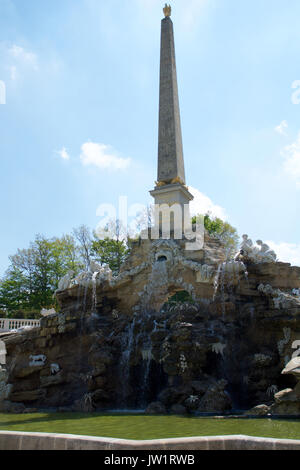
{"x": 170, "y": 186}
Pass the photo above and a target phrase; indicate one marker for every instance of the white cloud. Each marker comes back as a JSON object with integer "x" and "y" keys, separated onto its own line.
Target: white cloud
{"x": 64, "y": 154}
{"x": 16, "y": 60}
{"x": 286, "y": 252}
{"x": 102, "y": 156}
{"x": 27, "y": 57}
{"x": 291, "y": 154}
{"x": 202, "y": 204}
{"x": 280, "y": 129}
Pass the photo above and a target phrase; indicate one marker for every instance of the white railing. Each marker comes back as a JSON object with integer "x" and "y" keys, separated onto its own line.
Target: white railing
{"x": 7, "y": 324}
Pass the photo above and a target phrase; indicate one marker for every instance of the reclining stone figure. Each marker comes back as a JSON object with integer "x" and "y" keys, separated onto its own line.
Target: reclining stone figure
{"x": 259, "y": 253}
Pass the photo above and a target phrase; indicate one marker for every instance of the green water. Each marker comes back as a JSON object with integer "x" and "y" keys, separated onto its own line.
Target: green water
{"x": 139, "y": 426}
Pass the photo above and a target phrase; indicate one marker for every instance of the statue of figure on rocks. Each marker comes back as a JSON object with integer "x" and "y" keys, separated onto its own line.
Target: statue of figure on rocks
{"x": 95, "y": 267}
{"x": 266, "y": 289}
{"x": 38, "y": 360}
{"x": 246, "y": 245}
{"x": 85, "y": 278}
{"x": 45, "y": 313}
{"x": 288, "y": 401}
{"x": 54, "y": 368}
{"x": 65, "y": 281}
{"x": 265, "y": 253}
{"x": 104, "y": 272}
{"x": 259, "y": 253}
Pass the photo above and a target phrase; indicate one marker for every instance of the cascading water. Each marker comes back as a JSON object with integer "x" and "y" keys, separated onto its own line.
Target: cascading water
{"x": 94, "y": 294}
{"x": 127, "y": 347}
{"x": 223, "y": 271}
{"x": 157, "y": 287}
{"x": 137, "y": 338}
{"x": 83, "y": 287}
{"x": 147, "y": 355}
{"x": 216, "y": 281}
{"x": 147, "y": 358}
{"x": 228, "y": 274}
{"x": 81, "y": 290}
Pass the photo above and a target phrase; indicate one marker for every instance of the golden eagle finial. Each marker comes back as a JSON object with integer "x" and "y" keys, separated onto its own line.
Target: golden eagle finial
{"x": 167, "y": 10}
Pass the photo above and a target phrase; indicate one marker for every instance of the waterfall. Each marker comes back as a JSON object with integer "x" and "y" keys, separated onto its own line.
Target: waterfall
{"x": 229, "y": 271}
{"x": 82, "y": 295}
{"x": 128, "y": 345}
{"x": 216, "y": 281}
{"x": 147, "y": 358}
{"x": 157, "y": 287}
{"x": 136, "y": 357}
{"x": 223, "y": 271}
{"x": 94, "y": 294}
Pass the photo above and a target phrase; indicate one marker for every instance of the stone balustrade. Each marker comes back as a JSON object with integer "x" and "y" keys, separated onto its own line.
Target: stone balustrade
{"x": 14, "y": 440}
{"x": 8, "y": 324}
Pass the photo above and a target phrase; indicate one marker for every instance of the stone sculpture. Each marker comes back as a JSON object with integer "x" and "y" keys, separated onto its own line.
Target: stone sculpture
{"x": 45, "y": 312}
{"x": 287, "y": 402}
{"x": 265, "y": 253}
{"x": 167, "y": 10}
{"x": 293, "y": 367}
{"x": 280, "y": 299}
{"x": 37, "y": 360}
{"x": 259, "y": 253}
{"x": 54, "y": 368}
{"x": 95, "y": 267}
{"x": 65, "y": 281}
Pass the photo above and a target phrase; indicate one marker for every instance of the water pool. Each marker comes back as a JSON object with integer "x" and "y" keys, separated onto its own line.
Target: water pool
{"x": 140, "y": 427}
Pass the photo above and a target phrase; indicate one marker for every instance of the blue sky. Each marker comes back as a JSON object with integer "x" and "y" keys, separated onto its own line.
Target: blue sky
{"x": 80, "y": 123}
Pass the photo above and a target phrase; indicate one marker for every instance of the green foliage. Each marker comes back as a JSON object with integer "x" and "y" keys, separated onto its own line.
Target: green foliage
{"x": 33, "y": 275}
{"x": 13, "y": 291}
{"x": 111, "y": 252}
{"x": 180, "y": 297}
{"x": 220, "y": 229}
{"x": 83, "y": 237}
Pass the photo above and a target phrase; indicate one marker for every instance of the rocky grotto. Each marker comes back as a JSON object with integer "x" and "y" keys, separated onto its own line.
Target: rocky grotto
{"x": 118, "y": 344}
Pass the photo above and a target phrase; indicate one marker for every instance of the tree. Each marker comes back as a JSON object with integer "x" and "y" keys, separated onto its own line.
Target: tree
{"x": 221, "y": 230}
{"x": 22, "y": 269}
{"x": 34, "y": 273}
{"x": 43, "y": 260}
{"x": 110, "y": 252}
{"x": 110, "y": 245}
{"x": 143, "y": 221}
{"x": 84, "y": 237}
{"x": 13, "y": 292}
{"x": 65, "y": 257}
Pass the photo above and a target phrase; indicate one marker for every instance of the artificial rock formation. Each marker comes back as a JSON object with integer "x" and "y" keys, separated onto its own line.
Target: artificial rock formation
{"x": 117, "y": 344}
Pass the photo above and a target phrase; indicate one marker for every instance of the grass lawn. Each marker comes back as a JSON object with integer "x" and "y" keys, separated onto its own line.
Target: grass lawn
{"x": 140, "y": 427}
